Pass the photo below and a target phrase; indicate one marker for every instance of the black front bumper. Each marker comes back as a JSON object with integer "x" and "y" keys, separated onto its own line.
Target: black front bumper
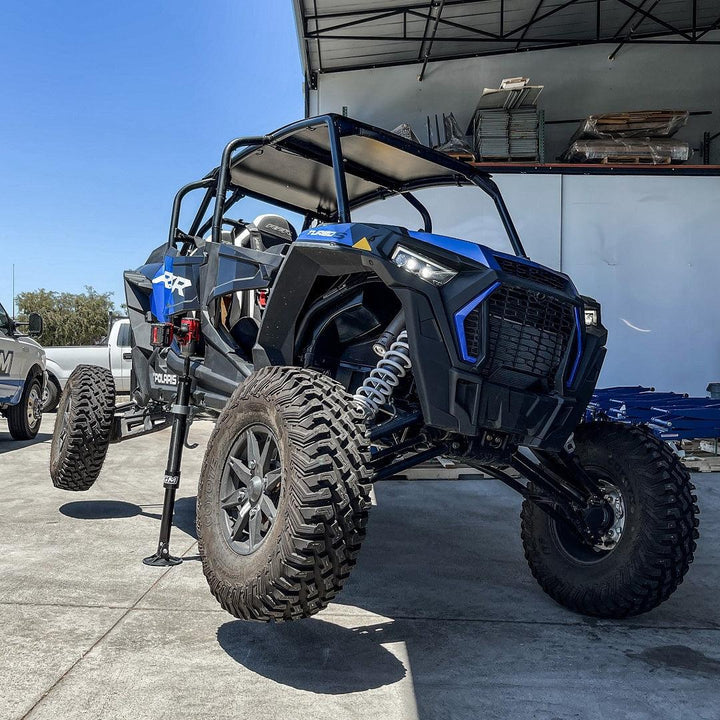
{"x": 493, "y": 350}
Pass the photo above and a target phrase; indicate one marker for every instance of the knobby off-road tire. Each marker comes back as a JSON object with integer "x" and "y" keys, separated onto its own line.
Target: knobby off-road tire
{"x": 52, "y": 397}
{"x": 25, "y": 417}
{"x": 308, "y": 550}
{"x": 82, "y": 428}
{"x": 658, "y": 539}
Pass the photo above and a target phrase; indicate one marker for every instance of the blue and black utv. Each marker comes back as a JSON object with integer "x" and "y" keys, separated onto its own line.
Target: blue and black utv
{"x": 352, "y": 351}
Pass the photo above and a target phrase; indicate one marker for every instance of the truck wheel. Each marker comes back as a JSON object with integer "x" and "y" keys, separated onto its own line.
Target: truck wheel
{"x": 283, "y": 497}
{"x": 655, "y": 520}
{"x": 82, "y": 428}
{"x": 25, "y": 417}
{"x": 52, "y": 396}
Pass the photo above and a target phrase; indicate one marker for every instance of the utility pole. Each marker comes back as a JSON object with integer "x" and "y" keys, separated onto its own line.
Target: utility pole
{"x": 13, "y": 290}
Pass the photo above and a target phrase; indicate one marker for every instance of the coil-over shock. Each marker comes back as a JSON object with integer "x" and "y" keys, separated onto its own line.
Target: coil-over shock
{"x": 392, "y": 367}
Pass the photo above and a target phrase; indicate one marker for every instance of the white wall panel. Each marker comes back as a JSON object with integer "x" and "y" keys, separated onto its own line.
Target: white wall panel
{"x": 649, "y": 250}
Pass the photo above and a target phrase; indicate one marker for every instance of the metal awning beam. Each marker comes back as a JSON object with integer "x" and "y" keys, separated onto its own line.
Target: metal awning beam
{"x": 397, "y": 10}
{"x": 628, "y": 21}
{"x": 656, "y": 19}
{"x": 459, "y": 26}
{"x": 712, "y": 27}
{"x": 537, "y": 40}
{"x": 426, "y": 57}
{"x": 462, "y": 31}
{"x": 539, "y": 18}
{"x": 632, "y": 32}
{"x": 349, "y": 23}
{"x": 529, "y": 25}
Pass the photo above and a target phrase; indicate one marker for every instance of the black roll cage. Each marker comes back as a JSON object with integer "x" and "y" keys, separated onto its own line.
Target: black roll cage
{"x": 217, "y": 182}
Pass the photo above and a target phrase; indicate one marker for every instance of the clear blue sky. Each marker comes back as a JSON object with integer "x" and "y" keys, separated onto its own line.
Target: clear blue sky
{"x": 106, "y": 109}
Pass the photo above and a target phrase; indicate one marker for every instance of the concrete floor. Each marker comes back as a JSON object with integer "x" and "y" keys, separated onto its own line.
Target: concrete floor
{"x": 441, "y": 618}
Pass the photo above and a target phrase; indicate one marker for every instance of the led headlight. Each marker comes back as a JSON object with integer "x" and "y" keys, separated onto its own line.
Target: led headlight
{"x": 421, "y": 266}
{"x": 592, "y": 312}
{"x": 591, "y": 316}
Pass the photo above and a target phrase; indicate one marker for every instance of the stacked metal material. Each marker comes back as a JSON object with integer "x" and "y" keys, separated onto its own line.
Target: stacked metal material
{"x": 654, "y": 151}
{"x": 500, "y": 134}
{"x": 642, "y": 137}
{"x": 671, "y": 416}
{"x": 523, "y": 133}
{"x": 637, "y": 124}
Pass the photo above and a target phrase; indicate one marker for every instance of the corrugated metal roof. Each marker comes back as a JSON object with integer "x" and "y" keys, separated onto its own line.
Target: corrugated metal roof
{"x": 338, "y": 35}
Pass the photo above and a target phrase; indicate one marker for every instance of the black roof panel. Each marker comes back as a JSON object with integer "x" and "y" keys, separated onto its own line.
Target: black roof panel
{"x": 295, "y": 168}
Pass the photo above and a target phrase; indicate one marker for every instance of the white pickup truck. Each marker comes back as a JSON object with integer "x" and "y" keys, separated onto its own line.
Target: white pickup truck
{"x": 114, "y": 354}
{"x": 22, "y": 376}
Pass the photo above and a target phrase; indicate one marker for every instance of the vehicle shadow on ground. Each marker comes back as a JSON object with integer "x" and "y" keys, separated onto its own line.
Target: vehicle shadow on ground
{"x": 183, "y": 519}
{"x": 464, "y": 608}
{"x": 7, "y": 444}
{"x": 315, "y": 655}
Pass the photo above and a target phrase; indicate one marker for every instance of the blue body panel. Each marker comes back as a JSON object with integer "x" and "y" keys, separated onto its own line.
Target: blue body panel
{"x": 339, "y": 234}
{"x": 10, "y": 391}
{"x": 460, "y": 316}
{"x": 162, "y": 300}
{"x": 578, "y": 348}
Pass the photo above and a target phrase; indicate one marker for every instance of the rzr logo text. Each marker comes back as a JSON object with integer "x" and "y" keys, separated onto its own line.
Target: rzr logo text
{"x": 173, "y": 282}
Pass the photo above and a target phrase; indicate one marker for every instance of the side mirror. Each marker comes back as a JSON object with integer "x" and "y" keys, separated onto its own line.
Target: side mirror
{"x": 35, "y": 324}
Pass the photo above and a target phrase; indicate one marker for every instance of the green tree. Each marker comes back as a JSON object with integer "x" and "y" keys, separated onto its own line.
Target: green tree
{"x": 70, "y": 319}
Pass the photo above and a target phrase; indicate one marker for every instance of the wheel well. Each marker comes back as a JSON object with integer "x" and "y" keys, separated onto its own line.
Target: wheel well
{"x": 35, "y": 371}
{"x": 342, "y": 318}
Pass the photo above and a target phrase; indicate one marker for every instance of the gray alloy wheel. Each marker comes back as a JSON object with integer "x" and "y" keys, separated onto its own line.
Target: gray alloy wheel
{"x": 250, "y": 489}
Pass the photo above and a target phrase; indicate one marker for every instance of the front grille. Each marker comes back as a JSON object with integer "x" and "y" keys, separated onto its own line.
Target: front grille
{"x": 531, "y": 272}
{"x": 528, "y": 335}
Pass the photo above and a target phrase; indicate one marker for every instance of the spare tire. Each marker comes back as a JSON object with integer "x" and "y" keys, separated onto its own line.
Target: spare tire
{"x": 82, "y": 428}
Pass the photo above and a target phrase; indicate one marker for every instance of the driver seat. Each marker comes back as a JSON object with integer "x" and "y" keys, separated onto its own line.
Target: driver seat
{"x": 267, "y": 233}
{"x": 274, "y": 231}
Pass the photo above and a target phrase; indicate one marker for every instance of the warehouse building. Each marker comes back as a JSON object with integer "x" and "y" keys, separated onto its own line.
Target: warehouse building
{"x": 638, "y": 232}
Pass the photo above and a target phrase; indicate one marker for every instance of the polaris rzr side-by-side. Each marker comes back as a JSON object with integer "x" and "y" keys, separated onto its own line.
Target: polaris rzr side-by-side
{"x": 352, "y": 351}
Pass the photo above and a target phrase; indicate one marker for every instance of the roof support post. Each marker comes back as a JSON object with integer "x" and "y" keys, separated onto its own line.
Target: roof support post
{"x": 440, "y": 6}
{"x": 224, "y": 178}
{"x": 489, "y": 186}
{"x": 343, "y": 207}
{"x": 177, "y": 201}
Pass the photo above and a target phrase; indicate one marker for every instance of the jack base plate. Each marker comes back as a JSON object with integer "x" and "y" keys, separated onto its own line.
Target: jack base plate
{"x": 160, "y": 561}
